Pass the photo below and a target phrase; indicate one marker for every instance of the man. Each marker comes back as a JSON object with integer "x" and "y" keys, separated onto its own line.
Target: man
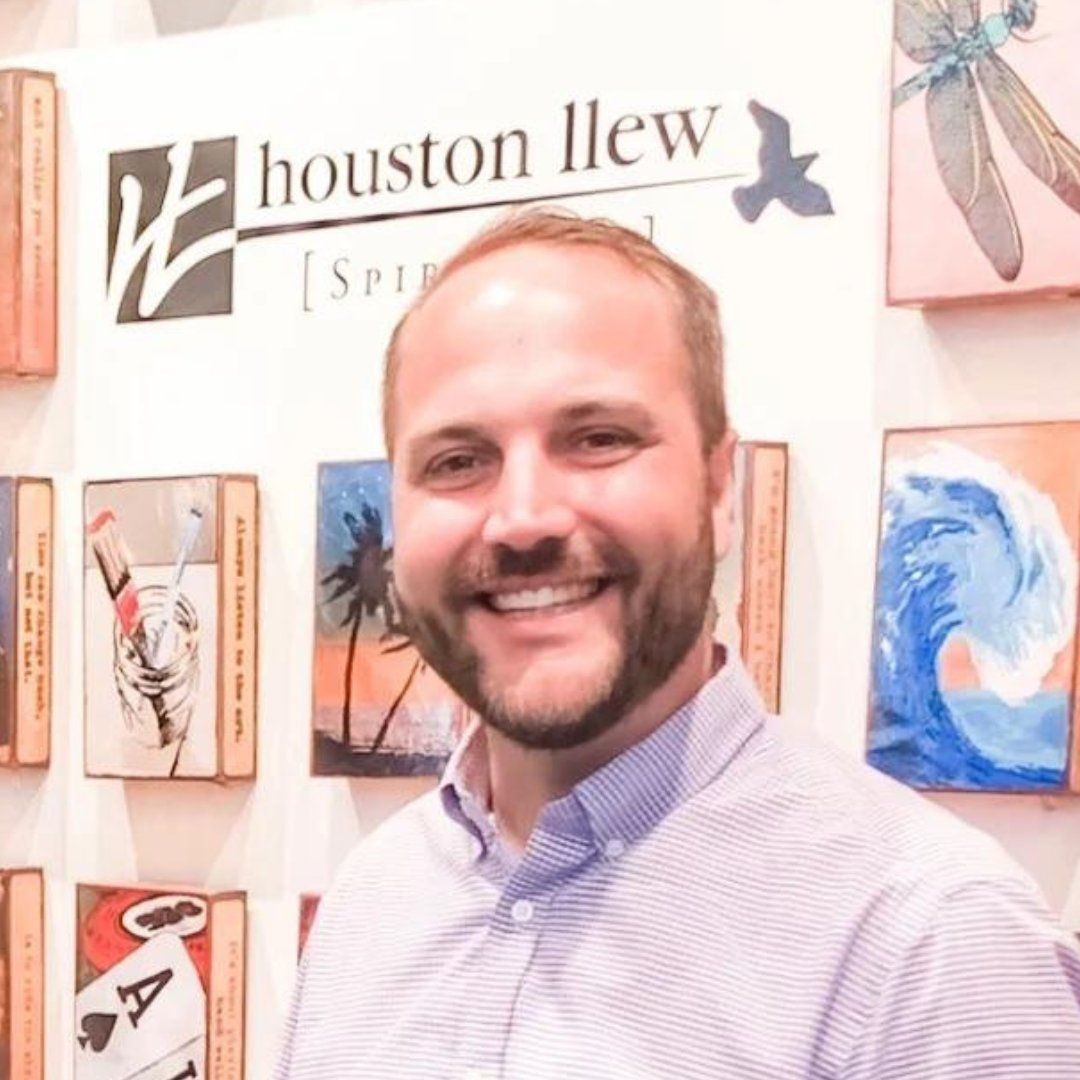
{"x": 629, "y": 870}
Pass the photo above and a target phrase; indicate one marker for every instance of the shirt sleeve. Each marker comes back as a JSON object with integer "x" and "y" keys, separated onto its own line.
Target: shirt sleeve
{"x": 990, "y": 989}
{"x": 283, "y": 1069}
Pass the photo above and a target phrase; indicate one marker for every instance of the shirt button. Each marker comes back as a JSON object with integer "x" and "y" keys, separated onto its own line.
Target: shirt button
{"x": 522, "y": 911}
{"x": 614, "y": 847}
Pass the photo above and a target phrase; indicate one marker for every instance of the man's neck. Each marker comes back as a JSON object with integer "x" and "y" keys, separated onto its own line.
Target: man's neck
{"x": 525, "y": 780}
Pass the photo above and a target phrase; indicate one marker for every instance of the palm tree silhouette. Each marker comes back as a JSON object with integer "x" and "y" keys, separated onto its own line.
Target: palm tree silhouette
{"x": 367, "y": 577}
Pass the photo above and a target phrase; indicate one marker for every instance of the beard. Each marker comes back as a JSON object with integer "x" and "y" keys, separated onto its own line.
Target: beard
{"x": 661, "y": 620}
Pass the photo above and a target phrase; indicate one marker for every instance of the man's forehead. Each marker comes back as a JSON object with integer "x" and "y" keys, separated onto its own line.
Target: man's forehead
{"x": 530, "y": 273}
{"x": 564, "y": 304}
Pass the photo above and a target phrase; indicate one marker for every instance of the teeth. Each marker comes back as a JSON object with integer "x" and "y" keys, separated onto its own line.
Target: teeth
{"x": 549, "y": 596}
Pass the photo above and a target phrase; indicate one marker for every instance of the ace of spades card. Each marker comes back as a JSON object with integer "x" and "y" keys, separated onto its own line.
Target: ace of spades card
{"x": 144, "y": 1018}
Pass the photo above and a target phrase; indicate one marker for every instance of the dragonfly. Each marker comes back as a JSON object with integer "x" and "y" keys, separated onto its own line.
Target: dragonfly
{"x": 959, "y": 51}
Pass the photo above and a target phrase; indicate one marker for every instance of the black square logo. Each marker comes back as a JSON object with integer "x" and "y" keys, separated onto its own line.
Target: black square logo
{"x": 172, "y": 230}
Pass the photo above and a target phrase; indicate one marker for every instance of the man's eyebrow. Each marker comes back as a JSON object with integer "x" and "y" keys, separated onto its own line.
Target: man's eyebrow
{"x": 450, "y": 432}
{"x": 630, "y": 411}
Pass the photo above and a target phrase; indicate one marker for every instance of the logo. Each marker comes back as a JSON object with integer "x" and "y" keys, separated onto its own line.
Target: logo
{"x": 783, "y": 177}
{"x": 172, "y": 231}
{"x": 172, "y": 221}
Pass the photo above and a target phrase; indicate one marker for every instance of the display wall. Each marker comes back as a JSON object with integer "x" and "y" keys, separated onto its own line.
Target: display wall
{"x": 284, "y": 374}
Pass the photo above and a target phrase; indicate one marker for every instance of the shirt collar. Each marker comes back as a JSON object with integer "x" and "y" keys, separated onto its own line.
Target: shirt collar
{"x": 465, "y": 787}
{"x": 624, "y": 799}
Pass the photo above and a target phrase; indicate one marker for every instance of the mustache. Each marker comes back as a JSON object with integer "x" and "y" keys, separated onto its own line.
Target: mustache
{"x": 496, "y": 568}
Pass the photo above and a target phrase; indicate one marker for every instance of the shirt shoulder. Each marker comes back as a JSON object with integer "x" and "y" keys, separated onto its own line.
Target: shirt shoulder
{"x": 403, "y": 848}
{"x": 379, "y": 927}
{"x": 807, "y": 798}
{"x": 989, "y": 987}
{"x": 909, "y": 907}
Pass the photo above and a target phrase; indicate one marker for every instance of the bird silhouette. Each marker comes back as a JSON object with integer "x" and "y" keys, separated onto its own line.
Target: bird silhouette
{"x": 783, "y": 177}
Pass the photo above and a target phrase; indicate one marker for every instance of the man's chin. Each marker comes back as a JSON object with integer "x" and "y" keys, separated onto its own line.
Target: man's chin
{"x": 548, "y": 731}
{"x": 541, "y": 720}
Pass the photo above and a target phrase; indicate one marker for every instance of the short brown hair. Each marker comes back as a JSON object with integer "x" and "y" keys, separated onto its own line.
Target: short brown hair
{"x": 698, "y": 309}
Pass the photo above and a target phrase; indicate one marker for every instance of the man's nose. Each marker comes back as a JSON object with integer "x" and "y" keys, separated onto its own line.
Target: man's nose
{"x": 529, "y": 503}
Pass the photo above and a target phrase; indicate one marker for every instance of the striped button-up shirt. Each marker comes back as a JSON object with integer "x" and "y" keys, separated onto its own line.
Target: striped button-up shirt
{"x": 722, "y": 900}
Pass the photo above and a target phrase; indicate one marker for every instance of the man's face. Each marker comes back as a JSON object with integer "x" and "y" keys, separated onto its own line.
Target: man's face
{"x": 553, "y": 508}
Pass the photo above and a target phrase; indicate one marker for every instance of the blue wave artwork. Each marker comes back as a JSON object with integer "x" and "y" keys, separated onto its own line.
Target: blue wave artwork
{"x": 970, "y": 549}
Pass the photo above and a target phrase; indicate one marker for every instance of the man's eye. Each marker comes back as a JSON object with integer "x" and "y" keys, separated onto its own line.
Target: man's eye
{"x": 605, "y": 439}
{"x": 453, "y": 465}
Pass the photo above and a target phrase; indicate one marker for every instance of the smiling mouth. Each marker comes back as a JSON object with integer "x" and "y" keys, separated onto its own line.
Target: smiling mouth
{"x": 547, "y": 598}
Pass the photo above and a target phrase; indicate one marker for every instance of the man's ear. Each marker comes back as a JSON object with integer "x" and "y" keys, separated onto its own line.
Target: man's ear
{"x": 721, "y": 468}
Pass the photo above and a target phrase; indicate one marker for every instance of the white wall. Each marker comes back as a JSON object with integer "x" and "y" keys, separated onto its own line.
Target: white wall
{"x": 814, "y": 360}
{"x": 40, "y": 25}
